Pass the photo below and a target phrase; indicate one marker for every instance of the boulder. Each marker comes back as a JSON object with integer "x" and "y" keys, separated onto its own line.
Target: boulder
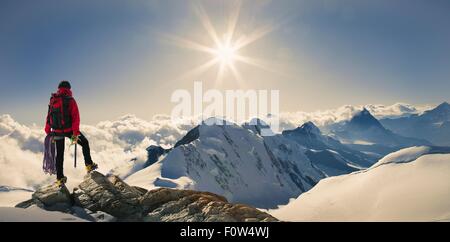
{"x": 171, "y": 205}
{"x": 108, "y": 194}
{"x": 51, "y": 198}
{"x": 52, "y": 195}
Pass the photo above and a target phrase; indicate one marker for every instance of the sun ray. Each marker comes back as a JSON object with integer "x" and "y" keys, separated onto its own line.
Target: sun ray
{"x": 245, "y": 40}
{"x": 200, "y": 69}
{"x": 185, "y": 43}
{"x": 204, "y": 19}
{"x": 253, "y": 61}
{"x": 259, "y": 63}
{"x": 220, "y": 74}
{"x": 234, "y": 17}
{"x": 236, "y": 74}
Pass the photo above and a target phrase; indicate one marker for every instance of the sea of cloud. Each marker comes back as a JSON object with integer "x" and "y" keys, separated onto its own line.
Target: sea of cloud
{"x": 120, "y": 146}
{"x": 117, "y": 146}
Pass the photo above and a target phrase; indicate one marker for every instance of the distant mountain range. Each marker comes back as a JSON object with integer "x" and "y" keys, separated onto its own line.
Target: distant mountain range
{"x": 365, "y": 133}
{"x": 330, "y": 155}
{"x": 432, "y": 125}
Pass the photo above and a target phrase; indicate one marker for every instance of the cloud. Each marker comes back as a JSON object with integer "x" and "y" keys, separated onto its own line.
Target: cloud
{"x": 130, "y": 130}
{"x": 19, "y": 167}
{"x": 28, "y": 138}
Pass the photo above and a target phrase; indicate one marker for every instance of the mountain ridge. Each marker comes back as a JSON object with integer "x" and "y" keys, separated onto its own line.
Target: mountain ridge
{"x": 365, "y": 133}
{"x": 432, "y": 125}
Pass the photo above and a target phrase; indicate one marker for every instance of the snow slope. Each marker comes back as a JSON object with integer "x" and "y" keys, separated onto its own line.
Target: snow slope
{"x": 10, "y": 196}
{"x": 409, "y": 185}
{"x": 35, "y": 214}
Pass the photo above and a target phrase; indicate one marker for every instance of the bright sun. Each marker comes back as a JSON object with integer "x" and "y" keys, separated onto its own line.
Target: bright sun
{"x": 224, "y": 51}
{"x": 226, "y": 54}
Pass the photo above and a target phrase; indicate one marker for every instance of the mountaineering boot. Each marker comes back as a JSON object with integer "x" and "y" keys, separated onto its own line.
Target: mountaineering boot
{"x": 60, "y": 182}
{"x": 91, "y": 167}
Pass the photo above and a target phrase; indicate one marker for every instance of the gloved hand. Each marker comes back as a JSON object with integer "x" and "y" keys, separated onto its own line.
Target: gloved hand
{"x": 74, "y": 139}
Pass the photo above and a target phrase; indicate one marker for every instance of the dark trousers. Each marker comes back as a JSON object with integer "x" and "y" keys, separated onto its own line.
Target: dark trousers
{"x": 60, "y": 145}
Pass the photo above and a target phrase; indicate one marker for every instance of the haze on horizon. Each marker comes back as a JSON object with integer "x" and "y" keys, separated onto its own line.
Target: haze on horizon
{"x": 121, "y": 56}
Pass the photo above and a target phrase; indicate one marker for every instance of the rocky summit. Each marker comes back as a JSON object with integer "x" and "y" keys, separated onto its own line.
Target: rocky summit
{"x": 108, "y": 198}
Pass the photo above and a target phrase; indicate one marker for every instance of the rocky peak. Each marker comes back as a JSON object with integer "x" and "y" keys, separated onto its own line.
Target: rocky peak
{"x": 153, "y": 154}
{"x": 307, "y": 130}
{"x": 444, "y": 105}
{"x": 311, "y": 128}
{"x": 364, "y": 120}
{"x": 439, "y": 113}
{"x": 192, "y": 135}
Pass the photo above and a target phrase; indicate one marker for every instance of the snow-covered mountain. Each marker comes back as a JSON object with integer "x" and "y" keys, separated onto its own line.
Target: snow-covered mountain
{"x": 365, "y": 133}
{"x": 433, "y": 125}
{"x": 327, "y": 154}
{"x": 235, "y": 162}
{"x": 330, "y": 155}
{"x": 409, "y": 185}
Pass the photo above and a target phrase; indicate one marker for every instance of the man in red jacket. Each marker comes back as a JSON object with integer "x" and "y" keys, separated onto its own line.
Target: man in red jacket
{"x": 63, "y": 120}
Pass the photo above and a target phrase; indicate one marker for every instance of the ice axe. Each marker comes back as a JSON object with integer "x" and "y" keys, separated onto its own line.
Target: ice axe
{"x": 74, "y": 142}
{"x": 75, "y": 157}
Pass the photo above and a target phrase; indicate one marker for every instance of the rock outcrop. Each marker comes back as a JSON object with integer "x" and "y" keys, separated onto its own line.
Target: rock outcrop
{"x": 108, "y": 198}
{"x": 50, "y": 198}
{"x": 108, "y": 194}
{"x": 172, "y": 205}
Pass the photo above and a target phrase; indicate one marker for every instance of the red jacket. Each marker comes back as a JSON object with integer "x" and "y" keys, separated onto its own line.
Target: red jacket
{"x": 74, "y": 113}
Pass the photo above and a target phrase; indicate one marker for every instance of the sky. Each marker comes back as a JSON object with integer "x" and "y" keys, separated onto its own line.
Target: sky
{"x": 125, "y": 57}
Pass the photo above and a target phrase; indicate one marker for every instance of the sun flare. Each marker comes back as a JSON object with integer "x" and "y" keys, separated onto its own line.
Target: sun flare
{"x": 224, "y": 52}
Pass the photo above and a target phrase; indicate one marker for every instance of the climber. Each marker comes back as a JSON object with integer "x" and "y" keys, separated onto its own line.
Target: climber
{"x": 63, "y": 120}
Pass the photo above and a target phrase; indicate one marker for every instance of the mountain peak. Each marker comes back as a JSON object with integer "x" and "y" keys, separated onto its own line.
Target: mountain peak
{"x": 364, "y": 119}
{"x": 310, "y": 127}
{"x": 443, "y": 106}
{"x": 307, "y": 129}
{"x": 259, "y": 126}
{"x": 258, "y": 122}
{"x": 192, "y": 135}
{"x": 439, "y": 113}
{"x": 364, "y": 111}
